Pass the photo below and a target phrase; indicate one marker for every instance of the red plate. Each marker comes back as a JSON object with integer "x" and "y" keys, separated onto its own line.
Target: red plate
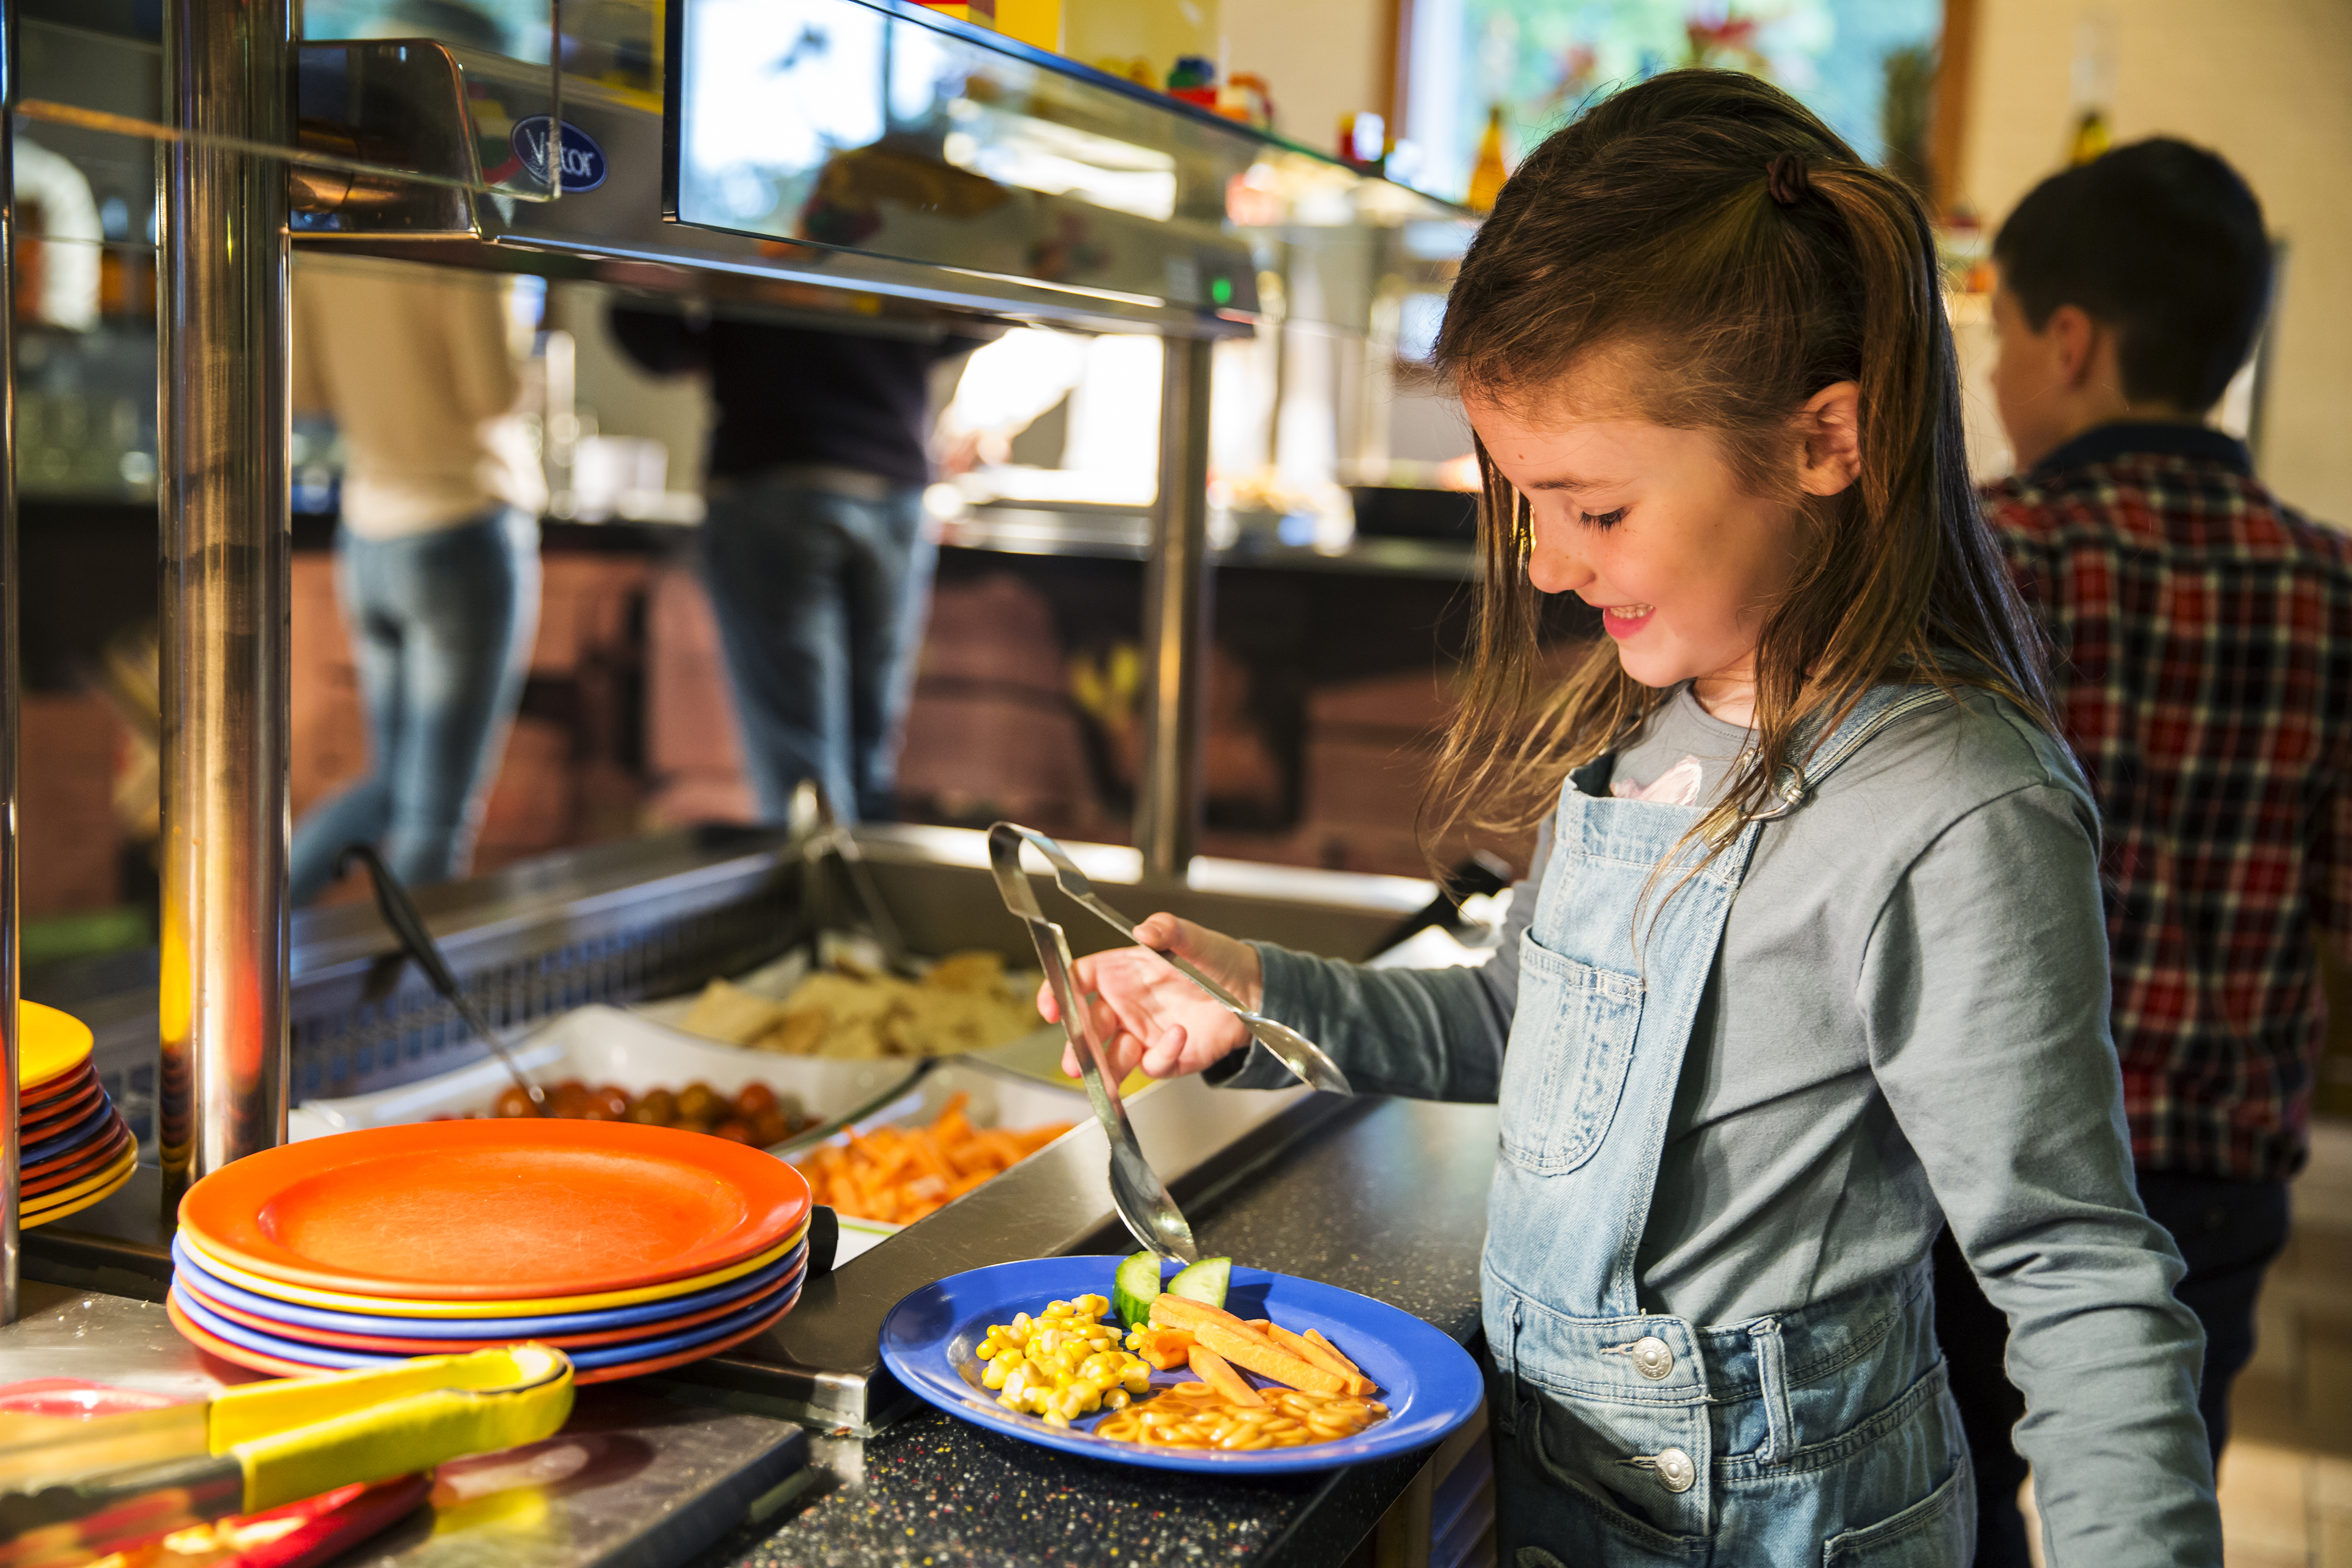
{"x": 237, "y": 1355}
{"x": 386, "y": 1345}
{"x": 495, "y": 1210}
{"x": 40, "y": 1121}
{"x": 87, "y": 1160}
{"x": 43, "y": 1095}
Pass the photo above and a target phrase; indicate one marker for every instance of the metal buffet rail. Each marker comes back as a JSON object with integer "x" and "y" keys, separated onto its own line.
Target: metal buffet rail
{"x": 963, "y": 176}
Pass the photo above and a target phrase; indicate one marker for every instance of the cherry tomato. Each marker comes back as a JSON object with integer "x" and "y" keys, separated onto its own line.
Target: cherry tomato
{"x": 700, "y": 1102}
{"x": 754, "y": 1099}
{"x": 513, "y": 1102}
{"x": 661, "y": 1106}
{"x": 613, "y": 1099}
{"x": 568, "y": 1098}
{"x": 769, "y": 1127}
{"x": 735, "y": 1130}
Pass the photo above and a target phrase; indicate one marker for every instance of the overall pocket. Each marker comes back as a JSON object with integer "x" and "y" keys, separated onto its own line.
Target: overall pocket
{"x": 1571, "y": 1041}
{"x": 1938, "y": 1531}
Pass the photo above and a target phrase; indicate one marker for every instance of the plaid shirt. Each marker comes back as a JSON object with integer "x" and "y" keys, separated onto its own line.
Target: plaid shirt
{"x": 2203, "y": 670}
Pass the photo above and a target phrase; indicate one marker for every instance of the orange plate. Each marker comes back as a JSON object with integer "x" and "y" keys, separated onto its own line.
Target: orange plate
{"x": 495, "y": 1210}
{"x": 238, "y": 1355}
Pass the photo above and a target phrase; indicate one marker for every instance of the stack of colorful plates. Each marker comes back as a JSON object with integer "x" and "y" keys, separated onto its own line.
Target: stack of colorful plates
{"x": 633, "y": 1249}
{"x": 76, "y": 1150}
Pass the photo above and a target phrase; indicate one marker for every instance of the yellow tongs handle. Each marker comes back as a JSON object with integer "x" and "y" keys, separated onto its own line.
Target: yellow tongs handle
{"x": 301, "y": 1437}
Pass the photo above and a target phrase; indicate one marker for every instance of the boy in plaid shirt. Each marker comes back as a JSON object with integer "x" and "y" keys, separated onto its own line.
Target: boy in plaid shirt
{"x": 2202, "y": 667}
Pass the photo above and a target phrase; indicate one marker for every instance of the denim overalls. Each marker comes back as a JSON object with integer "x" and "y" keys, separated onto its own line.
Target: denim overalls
{"x": 1821, "y": 1435}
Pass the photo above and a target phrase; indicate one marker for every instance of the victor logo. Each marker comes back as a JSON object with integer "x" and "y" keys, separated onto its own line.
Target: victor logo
{"x": 583, "y": 160}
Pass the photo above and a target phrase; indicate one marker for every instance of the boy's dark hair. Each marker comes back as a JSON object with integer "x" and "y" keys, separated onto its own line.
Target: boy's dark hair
{"x": 2164, "y": 243}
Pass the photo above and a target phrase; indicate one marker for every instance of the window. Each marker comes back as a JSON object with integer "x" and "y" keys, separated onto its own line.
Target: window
{"x": 1540, "y": 59}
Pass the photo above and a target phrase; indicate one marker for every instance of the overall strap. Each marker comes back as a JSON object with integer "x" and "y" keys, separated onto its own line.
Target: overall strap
{"x": 1879, "y": 708}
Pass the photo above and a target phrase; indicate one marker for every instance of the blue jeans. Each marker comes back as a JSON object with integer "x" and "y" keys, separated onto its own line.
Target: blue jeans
{"x": 820, "y": 598}
{"x": 441, "y": 626}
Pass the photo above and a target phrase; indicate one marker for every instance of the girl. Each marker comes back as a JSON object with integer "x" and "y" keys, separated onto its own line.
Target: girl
{"x": 1812, "y": 960}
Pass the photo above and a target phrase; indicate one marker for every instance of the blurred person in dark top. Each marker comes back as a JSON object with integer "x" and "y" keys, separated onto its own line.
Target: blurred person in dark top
{"x": 2202, "y": 669}
{"x": 814, "y": 549}
{"x": 437, "y": 551}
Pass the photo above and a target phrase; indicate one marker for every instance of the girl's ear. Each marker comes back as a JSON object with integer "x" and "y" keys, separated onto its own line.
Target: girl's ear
{"x": 1831, "y": 425}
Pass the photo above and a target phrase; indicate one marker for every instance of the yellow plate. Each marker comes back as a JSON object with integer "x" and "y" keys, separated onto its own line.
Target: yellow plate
{"x": 390, "y": 1306}
{"x": 76, "y": 1205}
{"x": 115, "y": 1171}
{"x": 49, "y": 1044}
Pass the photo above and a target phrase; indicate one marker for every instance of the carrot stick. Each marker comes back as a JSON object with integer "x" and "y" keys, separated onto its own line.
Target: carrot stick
{"x": 1324, "y": 1356}
{"x": 1166, "y": 1349}
{"x": 1315, "y": 1338}
{"x": 1211, "y": 1369}
{"x": 1244, "y": 1345}
{"x": 1266, "y": 1358}
{"x": 1182, "y": 1312}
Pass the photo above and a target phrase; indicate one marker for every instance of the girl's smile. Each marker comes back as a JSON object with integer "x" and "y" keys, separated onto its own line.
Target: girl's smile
{"x": 1624, "y": 620}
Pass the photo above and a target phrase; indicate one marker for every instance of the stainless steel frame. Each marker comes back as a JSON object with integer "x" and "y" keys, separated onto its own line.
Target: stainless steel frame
{"x": 1171, "y": 782}
{"x": 11, "y": 681}
{"x": 226, "y": 592}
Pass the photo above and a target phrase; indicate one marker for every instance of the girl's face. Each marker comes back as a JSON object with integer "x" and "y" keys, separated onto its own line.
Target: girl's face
{"x": 1650, "y": 525}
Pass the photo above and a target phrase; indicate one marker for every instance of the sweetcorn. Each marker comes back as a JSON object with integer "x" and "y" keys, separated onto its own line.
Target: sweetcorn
{"x": 1063, "y": 1364}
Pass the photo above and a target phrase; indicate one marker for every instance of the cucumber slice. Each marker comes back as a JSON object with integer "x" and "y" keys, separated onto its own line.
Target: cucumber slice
{"x": 1204, "y": 1282}
{"x": 1135, "y": 1287}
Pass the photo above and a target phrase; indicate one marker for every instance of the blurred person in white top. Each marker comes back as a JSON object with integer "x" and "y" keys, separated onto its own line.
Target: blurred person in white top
{"x": 436, "y": 554}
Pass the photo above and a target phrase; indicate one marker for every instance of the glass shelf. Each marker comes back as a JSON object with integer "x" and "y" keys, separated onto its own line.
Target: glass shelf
{"x": 882, "y": 129}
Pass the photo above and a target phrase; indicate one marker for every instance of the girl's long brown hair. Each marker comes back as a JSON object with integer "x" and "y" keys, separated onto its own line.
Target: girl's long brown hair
{"x": 1649, "y": 234}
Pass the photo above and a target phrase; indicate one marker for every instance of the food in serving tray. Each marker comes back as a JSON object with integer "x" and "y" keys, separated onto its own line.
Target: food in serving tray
{"x": 754, "y": 1114}
{"x": 899, "y": 1176}
{"x": 966, "y": 1002}
{"x": 1060, "y": 1365}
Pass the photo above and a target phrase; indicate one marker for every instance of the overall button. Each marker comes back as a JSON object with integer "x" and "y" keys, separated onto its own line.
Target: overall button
{"x": 1651, "y": 1359}
{"x": 1675, "y": 1472}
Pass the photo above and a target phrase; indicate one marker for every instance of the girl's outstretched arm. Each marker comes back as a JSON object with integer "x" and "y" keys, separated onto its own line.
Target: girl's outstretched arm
{"x": 1985, "y": 985}
{"x": 1432, "y": 1034}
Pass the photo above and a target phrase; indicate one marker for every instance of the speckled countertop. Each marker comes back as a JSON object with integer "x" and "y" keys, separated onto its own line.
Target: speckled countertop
{"x": 1390, "y": 1201}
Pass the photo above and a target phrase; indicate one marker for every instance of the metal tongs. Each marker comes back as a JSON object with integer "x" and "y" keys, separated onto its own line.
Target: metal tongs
{"x": 392, "y": 902}
{"x": 1142, "y": 1198}
{"x": 1304, "y": 1059}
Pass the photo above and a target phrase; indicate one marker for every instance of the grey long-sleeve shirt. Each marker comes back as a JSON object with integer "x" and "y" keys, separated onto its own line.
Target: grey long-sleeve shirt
{"x": 1906, "y": 1023}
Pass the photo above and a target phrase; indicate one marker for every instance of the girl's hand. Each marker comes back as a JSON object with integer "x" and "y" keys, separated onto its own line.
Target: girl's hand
{"x": 1147, "y": 1015}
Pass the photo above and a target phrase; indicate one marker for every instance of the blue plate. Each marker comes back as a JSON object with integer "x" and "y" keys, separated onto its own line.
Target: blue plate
{"x": 1429, "y": 1383}
{"x": 588, "y": 1360}
{"x": 295, "y": 1315}
{"x": 94, "y": 1121}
